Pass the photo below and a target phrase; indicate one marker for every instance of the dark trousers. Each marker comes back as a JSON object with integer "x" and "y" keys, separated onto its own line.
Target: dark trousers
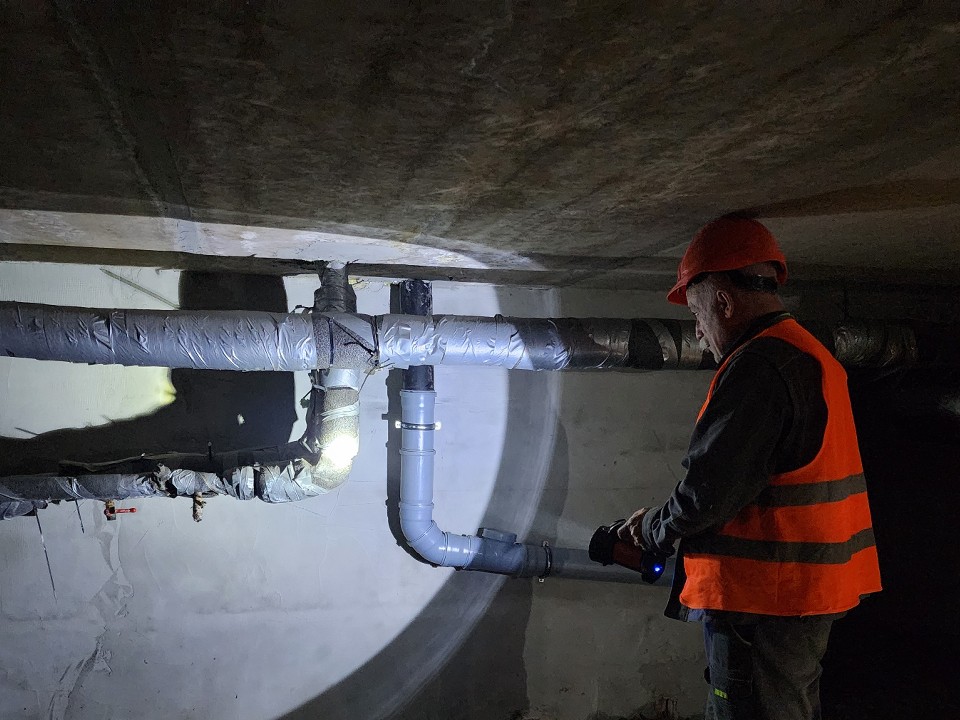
{"x": 765, "y": 670}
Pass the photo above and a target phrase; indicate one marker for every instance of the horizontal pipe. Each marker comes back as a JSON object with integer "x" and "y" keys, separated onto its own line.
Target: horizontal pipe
{"x": 576, "y": 564}
{"x": 247, "y": 340}
{"x": 491, "y": 550}
{"x": 288, "y": 482}
{"x": 201, "y": 340}
{"x": 538, "y": 343}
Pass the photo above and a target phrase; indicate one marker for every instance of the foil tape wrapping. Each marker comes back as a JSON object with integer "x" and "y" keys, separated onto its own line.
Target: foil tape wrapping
{"x": 289, "y": 483}
{"x": 18, "y": 508}
{"x": 406, "y": 340}
{"x": 200, "y": 340}
{"x": 512, "y": 343}
{"x": 536, "y": 343}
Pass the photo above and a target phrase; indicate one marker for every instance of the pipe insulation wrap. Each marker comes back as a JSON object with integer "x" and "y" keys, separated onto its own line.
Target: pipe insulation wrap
{"x": 18, "y": 508}
{"x": 537, "y": 343}
{"x": 202, "y": 340}
{"x": 289, "y": 482}
{"x": 90, "y": 487}
{"x": 339, "y": 440}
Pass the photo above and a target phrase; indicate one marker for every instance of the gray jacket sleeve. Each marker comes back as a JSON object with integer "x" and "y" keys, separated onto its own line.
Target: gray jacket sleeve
{"x": 731, "y": 453}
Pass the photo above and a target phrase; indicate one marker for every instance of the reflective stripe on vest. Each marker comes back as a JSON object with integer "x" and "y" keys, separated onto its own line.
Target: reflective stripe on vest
{"x": 805, "y": 546}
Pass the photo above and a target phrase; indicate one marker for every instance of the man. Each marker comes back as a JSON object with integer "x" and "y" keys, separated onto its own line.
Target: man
{"x": 776, "y": 540}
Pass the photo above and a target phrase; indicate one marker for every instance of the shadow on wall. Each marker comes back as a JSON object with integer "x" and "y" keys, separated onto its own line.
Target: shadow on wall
{"x": 207, "y": 403}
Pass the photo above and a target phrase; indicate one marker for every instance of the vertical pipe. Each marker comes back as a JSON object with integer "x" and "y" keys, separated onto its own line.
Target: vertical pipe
{"x": 417, "y": 427}
{"x": 491, "y": 550}
{"x": 416, "y": 298}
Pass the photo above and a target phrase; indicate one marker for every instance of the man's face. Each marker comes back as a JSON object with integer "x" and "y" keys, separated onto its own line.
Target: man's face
{"x": 711, "y": 331}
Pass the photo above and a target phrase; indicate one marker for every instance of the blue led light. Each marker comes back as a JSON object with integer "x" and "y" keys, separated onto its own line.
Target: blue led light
{"x": 657, "y": 568}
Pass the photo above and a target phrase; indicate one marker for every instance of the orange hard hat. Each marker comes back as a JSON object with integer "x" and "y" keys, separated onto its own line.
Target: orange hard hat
{"x": 727, "y": 244}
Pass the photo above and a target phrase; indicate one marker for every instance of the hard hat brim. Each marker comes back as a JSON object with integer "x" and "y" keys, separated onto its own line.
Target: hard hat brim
{"x": 678, "y": 294}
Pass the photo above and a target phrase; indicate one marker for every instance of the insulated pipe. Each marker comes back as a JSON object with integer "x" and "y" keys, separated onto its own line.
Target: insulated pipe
{"x": 335, "y": 392}
{"x": 284, "y": 482}
{"x": 319, "y": 462}
{"x": 538, "y": 343}
{"x": 201, "y": 340}
{"x": 345, "y": 339}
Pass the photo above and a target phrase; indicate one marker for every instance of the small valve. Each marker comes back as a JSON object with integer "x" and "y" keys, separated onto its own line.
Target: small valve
{"x": 110, "y": 510}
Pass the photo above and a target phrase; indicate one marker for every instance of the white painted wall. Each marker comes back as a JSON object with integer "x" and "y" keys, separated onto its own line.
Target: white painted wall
{"x": 262, "y": 609}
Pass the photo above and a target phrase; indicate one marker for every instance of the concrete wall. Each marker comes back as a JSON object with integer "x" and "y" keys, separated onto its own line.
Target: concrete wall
{"x": 315, "y": 609}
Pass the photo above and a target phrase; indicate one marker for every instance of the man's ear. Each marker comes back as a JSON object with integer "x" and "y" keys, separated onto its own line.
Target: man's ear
{"x": 725, "y": 304}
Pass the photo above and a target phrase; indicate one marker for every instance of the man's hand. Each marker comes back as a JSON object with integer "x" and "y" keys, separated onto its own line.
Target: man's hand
{"x": 630, "y": 531}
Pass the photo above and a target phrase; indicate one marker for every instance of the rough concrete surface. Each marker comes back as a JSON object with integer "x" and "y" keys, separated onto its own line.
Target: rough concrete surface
{"x": 556, "y": 134}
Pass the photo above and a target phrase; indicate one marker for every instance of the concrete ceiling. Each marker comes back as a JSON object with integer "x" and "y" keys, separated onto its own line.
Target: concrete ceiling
{"x": 554, "y": 142}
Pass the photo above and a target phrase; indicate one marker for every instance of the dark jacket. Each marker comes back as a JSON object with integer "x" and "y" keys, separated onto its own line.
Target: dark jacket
{"x": 767, "y": 416}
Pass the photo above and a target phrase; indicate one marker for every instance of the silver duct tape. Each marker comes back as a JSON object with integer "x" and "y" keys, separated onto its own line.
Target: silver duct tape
{"x": 243, "y": 480}
{"x": 533, "y": 343}
{"x": 409, "y": 340}
{"x": 184, "y": 339}
{"x": 596, "y": 343}
{"x": 241, "y": 484}
{"x": 290, "y": 483}
{"x": 342, "y": 378}
{"x": 19, "y": 508}
{"x": 8, "y": 495}
{"x": 189, "y": 482}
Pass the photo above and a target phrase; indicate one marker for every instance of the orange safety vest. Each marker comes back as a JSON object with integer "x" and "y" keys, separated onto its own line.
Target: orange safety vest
{"x": 805, "y": 545}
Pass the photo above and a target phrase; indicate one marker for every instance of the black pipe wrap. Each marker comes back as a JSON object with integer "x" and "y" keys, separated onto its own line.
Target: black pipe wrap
{"x": 645, "y": 350}
{"x": 201, "y": 340}
{"x": 335, "y": 293}
{"x": 416, "y": 298}
{"x": 603, "y": 343}
{"x": 322, "y": 339}
{"x": 875, "y": 344}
